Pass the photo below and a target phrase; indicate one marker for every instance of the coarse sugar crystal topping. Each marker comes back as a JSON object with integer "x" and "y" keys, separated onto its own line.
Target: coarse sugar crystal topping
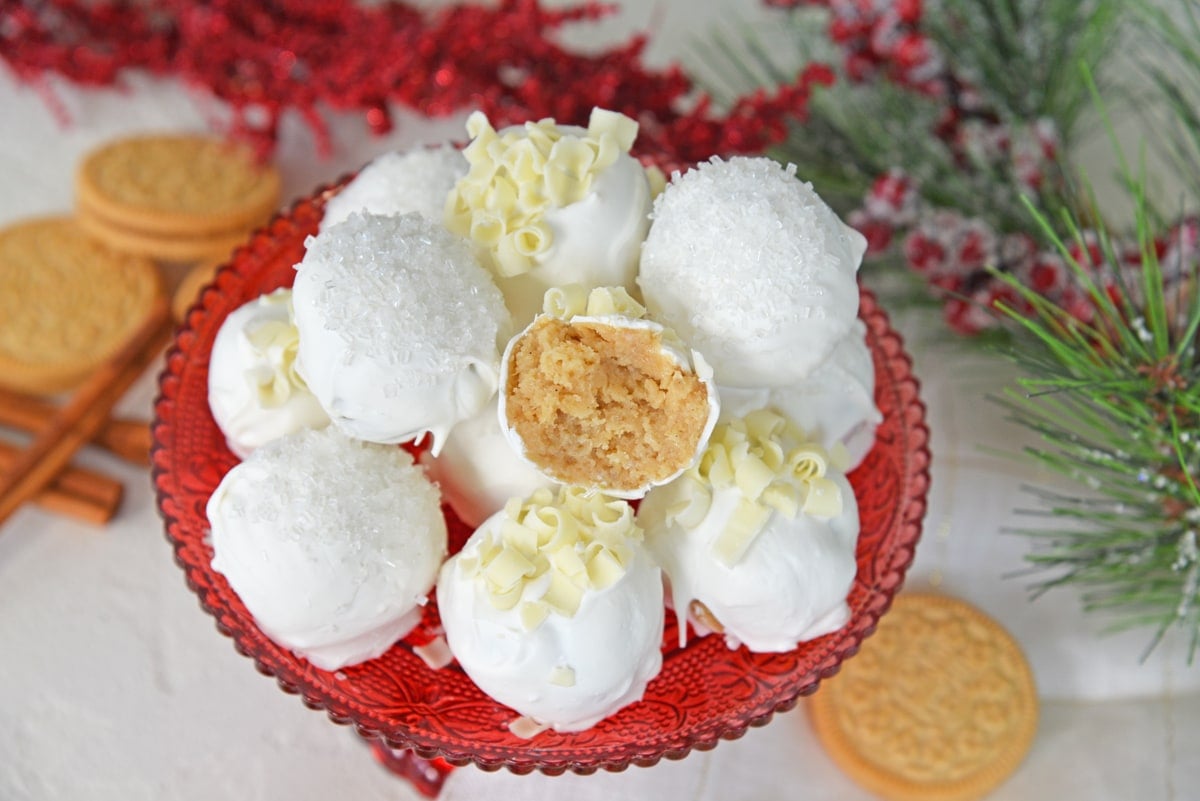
{"x": 330, "y": 493}
{"x": 397, "y": 183}
{"x": 749, "y": 242}
{"x": 405, "y": 291}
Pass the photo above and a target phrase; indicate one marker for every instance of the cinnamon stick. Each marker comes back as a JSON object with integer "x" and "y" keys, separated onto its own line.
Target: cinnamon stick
{"x": 83, "y": 415}
{"x": 85, "y": 495}
{"x": 128, "y": 439}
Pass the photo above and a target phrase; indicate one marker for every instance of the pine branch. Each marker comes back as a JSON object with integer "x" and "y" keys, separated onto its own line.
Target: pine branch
{"x": 1116, "y": 407}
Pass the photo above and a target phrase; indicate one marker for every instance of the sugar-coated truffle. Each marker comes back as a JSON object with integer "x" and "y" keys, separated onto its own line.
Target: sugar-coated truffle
{"x": 332, "y": 544}
{"x": 758, "y": 540}
{"x": 397, "y": 183}
{"x": 399, "y": 327}
{"x": 750, "y": 267}
{"x": 254, "y": 391}
{"x": 554, "y": 608}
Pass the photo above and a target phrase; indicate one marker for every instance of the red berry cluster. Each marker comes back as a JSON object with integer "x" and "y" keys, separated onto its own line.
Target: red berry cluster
{"x": 266, "y": 58}
{"x": 881, "y": 37}
{"x": 883, "y": 40}
{"x": 953, "y": 253}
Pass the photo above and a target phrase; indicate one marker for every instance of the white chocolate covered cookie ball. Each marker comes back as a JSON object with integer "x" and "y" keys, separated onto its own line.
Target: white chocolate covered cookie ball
{"x": 751, "y": 268}
{"x": 331, "y": 543}
{"x": 254, "y": 391}
{"x": 758, "y": 541}
{"x": 398, "y": 327}
{"x": 398, "y": 183}
{"x": 555, "y": 609}
{"x": 551, "y": 205}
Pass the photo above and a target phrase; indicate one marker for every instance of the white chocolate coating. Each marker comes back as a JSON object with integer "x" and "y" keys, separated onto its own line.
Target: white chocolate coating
{"x": 568, "y": 672}
{"x": 750, "y": 267}
{"x": 762, "y": 532}
{"x": 478, "y": 470}
{"x": 790, "y": 587}
{"x": 398, "y": 183}
{"x": 253, "y": 391}
{"x": 398, "y": 327}
{"x": 835, "y": 404}
{"x": 332, "y": 544}
{"x": 596, "y": 241}
{"x": 550, "y": 205}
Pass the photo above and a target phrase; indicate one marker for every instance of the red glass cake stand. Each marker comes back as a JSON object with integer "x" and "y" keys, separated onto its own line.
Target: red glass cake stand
{"x": 421, "y": 721}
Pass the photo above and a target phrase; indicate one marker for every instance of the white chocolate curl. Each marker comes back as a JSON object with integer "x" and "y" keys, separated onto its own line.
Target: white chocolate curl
{"x": 574, "y": 300}
{"x": 517, "y": 176}
{"x": 276, "y": 379}
{"x": 549, "y": 205}
{"x": 748, "y": 453}
{"x": 254, "y": 391}
{"x": 581, "y": 631}
{"x": 567, "y": 544}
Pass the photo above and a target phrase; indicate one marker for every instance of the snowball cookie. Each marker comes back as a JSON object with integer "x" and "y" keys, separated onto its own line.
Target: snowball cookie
{"x": 595, "y": 395}
{"x": 254, "y": 391}
{"x": 758, "y": 540}
{"x": 398, "y": 183}
{"x": 478, "y": 471}
{"x": 554, "y": 608}
{"x": 332, "y": 544}
{"x": 752, "y": 269}
{"x": 551, "y": 205}
{"x": 835, "y": 405}
{"x": 398, "y": 327}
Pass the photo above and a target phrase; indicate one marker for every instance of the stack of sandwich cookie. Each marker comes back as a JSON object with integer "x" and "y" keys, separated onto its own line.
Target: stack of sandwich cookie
{"x": 174, "y": 197}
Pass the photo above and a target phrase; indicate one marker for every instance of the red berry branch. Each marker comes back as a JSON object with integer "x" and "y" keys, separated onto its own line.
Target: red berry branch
{"x": 886, "y": 41}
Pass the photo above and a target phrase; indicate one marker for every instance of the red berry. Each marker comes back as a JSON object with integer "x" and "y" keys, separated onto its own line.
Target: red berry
{"x": 911, "y": 50}
{"x": 924, "y": 254}
{"x": 909, "y": 11}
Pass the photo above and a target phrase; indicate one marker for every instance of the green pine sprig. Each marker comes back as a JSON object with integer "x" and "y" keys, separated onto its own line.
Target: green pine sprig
{"x": 1115, "y": 403}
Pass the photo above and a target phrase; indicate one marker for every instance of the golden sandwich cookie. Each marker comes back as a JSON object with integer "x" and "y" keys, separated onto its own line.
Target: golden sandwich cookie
{"x": 67, "y": 303}
{"x": 187, "y": 186}
{"x": 174, "y": 248}
{"x": 940, "y": 704}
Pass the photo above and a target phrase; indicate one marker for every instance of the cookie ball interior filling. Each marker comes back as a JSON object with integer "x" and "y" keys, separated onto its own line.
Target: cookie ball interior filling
{"x": 603, "y": 405}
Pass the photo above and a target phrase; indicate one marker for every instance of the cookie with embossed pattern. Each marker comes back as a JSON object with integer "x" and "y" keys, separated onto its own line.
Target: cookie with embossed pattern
{"x": 940, "y": 704}
{"x": 67, "y": 302}
{"x": 184, "y": 185}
